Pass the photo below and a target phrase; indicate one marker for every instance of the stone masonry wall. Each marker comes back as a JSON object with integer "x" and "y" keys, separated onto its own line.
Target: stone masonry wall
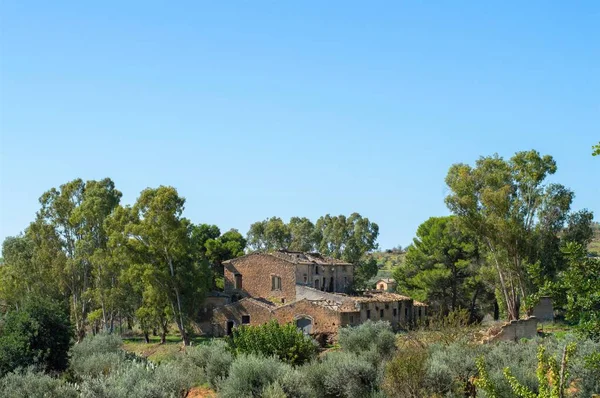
{"x": 544, "y": 310}
{"x": 256, "y": 270}
{"x": 516, "y": 330}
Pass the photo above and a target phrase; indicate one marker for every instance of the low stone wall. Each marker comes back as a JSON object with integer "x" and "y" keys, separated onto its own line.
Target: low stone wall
{"x": 516, "y": 330}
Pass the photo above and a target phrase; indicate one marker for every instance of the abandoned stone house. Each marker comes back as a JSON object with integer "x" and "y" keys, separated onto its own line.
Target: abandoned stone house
{"x": 307, "y": 289}
{"x": 386, "y": 284}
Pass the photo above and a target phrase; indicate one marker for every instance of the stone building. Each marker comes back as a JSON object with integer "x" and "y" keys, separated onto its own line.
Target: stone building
{"x": 307, "y": 289}
{"x": 386, "y": 284}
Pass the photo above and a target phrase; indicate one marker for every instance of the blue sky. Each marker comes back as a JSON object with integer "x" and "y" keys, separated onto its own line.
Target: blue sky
{"x": 260, "y": 108}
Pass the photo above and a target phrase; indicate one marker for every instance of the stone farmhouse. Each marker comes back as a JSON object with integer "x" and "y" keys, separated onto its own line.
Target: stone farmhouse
{"x": 307, "y": 289}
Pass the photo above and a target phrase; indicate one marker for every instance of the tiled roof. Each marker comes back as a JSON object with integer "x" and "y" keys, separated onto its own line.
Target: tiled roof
{"x": 307, "y": 258}
{"x": 382, "y": 297}
{"x": 419, "y": 304}
{"x": 387, "y": 280}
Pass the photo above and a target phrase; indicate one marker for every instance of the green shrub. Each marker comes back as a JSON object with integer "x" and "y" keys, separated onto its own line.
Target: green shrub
{"x": 40, "y": 334}
{"x": 369, "y": 335}
{"x": 250, "y": 375}
{"x": 405, "y": 373}
{"x": 32, "y": 384}
{"x": 98, "y": 344}
{"x": 285, "y": 342}
{"x": 450, "y": 367}
{"x": 342, "y": 374}
{"x": 293, "y": 383}
{"x": 214, "y": 359}
{"x": 274, "y": 390}
{"x": 142, "y": 380}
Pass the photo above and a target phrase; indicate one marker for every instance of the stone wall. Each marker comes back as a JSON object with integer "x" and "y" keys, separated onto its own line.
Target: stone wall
{"x": 544, "y": 310}
{"x": 334, "y": 278}
{"x": 256, "y": 271}
{"x": 516, "y": 330}
{"x": 401, "y": 317}
{"x": 325, "y": 322}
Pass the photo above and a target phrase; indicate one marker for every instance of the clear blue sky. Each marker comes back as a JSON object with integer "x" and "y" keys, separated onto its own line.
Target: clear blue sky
{"x": 260, "y": 108}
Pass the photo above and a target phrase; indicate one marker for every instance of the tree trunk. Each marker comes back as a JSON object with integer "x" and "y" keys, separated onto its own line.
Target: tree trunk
{"x": 146, "y": 337}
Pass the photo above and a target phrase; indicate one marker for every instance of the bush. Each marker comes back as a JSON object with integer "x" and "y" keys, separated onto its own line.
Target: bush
{"x": 99, "y": 355}
{"x": 450, "y": 367}
{"x": 98, "y": 344}
{"x": 250, "y": 375}
{"x": 369, "y": 335}
{"x": 342, "y": 374}
{"x": 285, "y": 342}
{"x": 405, "y": 373}
{"x": 38, "y": 335}
{"x": 141, "y": 380}
{"x": 214, "y": 359}
{"x": 29, "y": 383}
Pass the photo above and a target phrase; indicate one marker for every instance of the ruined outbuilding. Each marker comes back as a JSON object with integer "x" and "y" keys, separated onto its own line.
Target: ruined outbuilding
{"x": 308, "y": 289}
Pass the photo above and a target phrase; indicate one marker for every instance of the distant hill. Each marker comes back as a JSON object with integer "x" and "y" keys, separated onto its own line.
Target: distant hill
{"x": 387, "y": 260}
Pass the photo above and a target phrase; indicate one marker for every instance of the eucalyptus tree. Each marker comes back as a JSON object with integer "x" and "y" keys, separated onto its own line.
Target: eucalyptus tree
{"x": 70, "y": 226}
{"x": 514, "y": 211}
{"x": 162, "y": 239}
{"x": 269, "y": 234}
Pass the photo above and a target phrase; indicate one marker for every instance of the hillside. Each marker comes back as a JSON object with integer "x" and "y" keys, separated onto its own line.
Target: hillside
{"x": 387, "y": 260}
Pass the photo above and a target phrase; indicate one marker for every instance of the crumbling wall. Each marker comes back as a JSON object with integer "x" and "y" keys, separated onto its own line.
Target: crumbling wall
{"x": 516, "y": 330}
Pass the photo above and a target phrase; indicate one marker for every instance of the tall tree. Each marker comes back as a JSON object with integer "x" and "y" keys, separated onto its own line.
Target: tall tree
{"x": 269, "y": 234}
{"x": 441, "y": 266}
{"x": 346, "y": 238}
{"x": 505, "y": 203}
{"x": 303, "y": 237}
{"x": 163, "y": 237}
{"x": 74, "y": 214}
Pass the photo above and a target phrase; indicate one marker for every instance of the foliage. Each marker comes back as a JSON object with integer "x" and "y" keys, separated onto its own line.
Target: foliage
{"x": 517, "y": 216}
{"x": 377, "y": 336}
{"x": 581, "y": 285}
{"x": 39, "y": 334}
{"x": 442, "y": 266}
{"x": 250, "y": 375}
{"x": 596, "y": 150}
{"x": 285, "y": 342}
{"x": 214, "y": 359}
{"x": 342, "y": 374}
{"x": 551, "y": 377}
{"x": 35, "y": 384}
{"x": 405, "y": 373}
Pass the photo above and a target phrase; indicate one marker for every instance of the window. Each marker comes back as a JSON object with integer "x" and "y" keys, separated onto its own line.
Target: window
{"x": 381, "y": 313}
{"x": 275, "y": 282}
{"x": 368, "y": 314}
{"x": 395, "y": 312}
{"x": 316, "y": 284}
{"x": 351, "y": 318}
{"x": 316, "y": 270}
{"x": 419, "y": 312}
{"x": 305, "y": 278}
{"x": 245, "y": 319}
{"x": 238, "y": 281}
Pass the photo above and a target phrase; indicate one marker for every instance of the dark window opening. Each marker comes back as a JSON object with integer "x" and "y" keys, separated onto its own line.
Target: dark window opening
{"x": 238, "y": 281}
{"x": 275, "y": 282}
{"x": 351, "y": 318}
{"x": 316, "y": 284}
{"x": 381, "y": 314}
{"x": 395, "y": 312}
{"x": 245, "y": 319}
{"x": 331, "y": 284}
{"x": 368, "y": 314}
{"x": 316, "y": 269}
{"x": 229, "y": 327}
{"x": 419, "y": 312}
